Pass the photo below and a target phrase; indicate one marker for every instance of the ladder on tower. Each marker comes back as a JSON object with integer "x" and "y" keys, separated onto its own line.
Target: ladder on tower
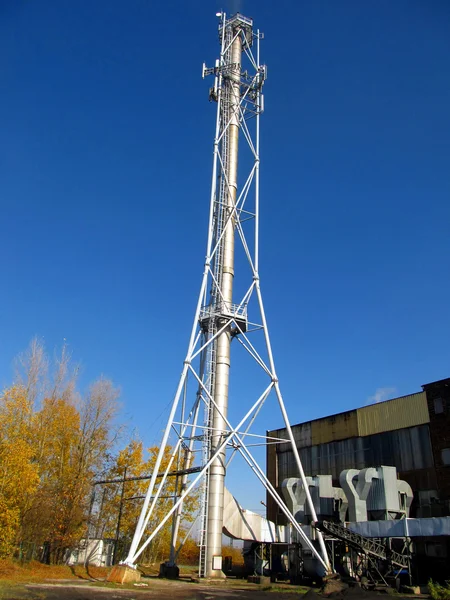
{"x": 206, "y": 452}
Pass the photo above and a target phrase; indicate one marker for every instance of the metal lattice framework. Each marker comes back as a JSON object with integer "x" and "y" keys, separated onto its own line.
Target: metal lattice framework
{"x": 198, "y": 419}
{"x": 370, "y": 546}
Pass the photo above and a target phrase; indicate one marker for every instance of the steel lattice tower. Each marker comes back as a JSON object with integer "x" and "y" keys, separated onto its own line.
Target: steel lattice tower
{"x": 222, "y": 319}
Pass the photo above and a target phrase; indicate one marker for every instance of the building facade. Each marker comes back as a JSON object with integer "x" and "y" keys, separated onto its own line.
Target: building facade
{"x": 411, "y": 433}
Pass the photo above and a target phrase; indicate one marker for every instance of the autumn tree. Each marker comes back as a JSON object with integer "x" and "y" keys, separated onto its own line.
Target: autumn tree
{"x": 56, "y": 433}
{"x": 190, "y": 552}
{"x": 72, "y": 442}
{"x": 123, "y": 500}
{"x": 118, "y": 504}
{"x": 18, "y": 471}
{"x": 32, "y": 370}
{"x": 53, "y": 443}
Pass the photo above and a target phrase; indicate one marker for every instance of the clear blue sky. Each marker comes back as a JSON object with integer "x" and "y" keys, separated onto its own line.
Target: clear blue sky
{"x": 104, "y": 184}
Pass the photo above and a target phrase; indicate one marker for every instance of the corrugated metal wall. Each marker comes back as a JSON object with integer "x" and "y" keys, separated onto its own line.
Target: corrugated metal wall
{"x": 303, "y": 435}
{"x": 407, "y": 449}
{"x": 399, "y": 413}
{"x": 337, "y": 427}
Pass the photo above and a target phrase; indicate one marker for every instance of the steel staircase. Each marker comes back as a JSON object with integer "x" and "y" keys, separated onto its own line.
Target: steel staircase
{"x": 369, "y": 546}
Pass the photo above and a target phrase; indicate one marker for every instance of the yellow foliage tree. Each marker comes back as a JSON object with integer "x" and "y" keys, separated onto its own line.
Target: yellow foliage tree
{"x": 71, "y": 442}
{"x": 56, "y": 433}
{"x": 53, "y": 442}
{"x": 125, "y": 500}
{"x": 18, "y": 472}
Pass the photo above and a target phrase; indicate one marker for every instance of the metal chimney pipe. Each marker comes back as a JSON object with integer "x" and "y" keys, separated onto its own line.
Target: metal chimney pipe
{"x": 222, "y": 366}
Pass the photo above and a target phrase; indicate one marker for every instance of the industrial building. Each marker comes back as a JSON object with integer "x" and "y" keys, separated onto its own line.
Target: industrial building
{"x": 410, "y": 433}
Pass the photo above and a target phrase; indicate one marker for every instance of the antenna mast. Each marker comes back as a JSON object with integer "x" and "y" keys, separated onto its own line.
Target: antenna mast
{"x": 221, "y": 317}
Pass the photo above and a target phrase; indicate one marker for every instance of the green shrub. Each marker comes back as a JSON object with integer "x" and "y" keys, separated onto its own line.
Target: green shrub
{"x": 438, "y": 591}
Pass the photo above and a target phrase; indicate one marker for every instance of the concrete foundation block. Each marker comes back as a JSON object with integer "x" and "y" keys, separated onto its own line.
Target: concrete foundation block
{"x": 412, "y": 589}
{"x": 124, "y": 574}
{"x": 169, "y": 571}
{"x": 259, "y": 579}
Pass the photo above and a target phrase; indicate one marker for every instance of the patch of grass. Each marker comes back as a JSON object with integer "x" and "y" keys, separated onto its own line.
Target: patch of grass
{"x": 35, "y": 571}
{"x": 8, "y": 569}
{"x": 284, "y": 589}
{"x": 16, "y": 591}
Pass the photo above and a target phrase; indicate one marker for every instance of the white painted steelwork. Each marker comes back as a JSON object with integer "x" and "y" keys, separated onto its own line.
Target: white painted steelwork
{"x": 221, "y": 318}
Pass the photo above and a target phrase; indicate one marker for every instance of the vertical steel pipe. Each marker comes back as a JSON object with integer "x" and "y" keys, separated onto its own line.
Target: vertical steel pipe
{"x": 222, "y": 367}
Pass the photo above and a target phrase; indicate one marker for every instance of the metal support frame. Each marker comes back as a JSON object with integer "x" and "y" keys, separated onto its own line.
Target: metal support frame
{"x": 370, "y": 546}
{"x": 219, "y": 318}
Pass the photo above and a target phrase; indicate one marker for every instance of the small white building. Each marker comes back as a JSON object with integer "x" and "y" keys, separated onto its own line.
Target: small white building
{"x": 94, "y": 552}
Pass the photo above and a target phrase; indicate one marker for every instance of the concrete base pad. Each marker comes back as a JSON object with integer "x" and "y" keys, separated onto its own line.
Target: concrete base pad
{"x": 258, "y": 579}
{"x": 216, "y": 576}
{"x": 124, "y": 574}
{"x": 209, "y": 580}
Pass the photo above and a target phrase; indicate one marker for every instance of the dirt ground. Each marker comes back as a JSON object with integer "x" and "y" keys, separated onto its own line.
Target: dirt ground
{"x": 35, "y": 581}
{"x": 162, "y": 589}
{"x": 157, "y": 589}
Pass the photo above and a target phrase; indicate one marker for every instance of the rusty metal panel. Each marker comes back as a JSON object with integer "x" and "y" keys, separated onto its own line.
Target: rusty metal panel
{"x": 334, "y": 428}
{"x": 407, "y": 411}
